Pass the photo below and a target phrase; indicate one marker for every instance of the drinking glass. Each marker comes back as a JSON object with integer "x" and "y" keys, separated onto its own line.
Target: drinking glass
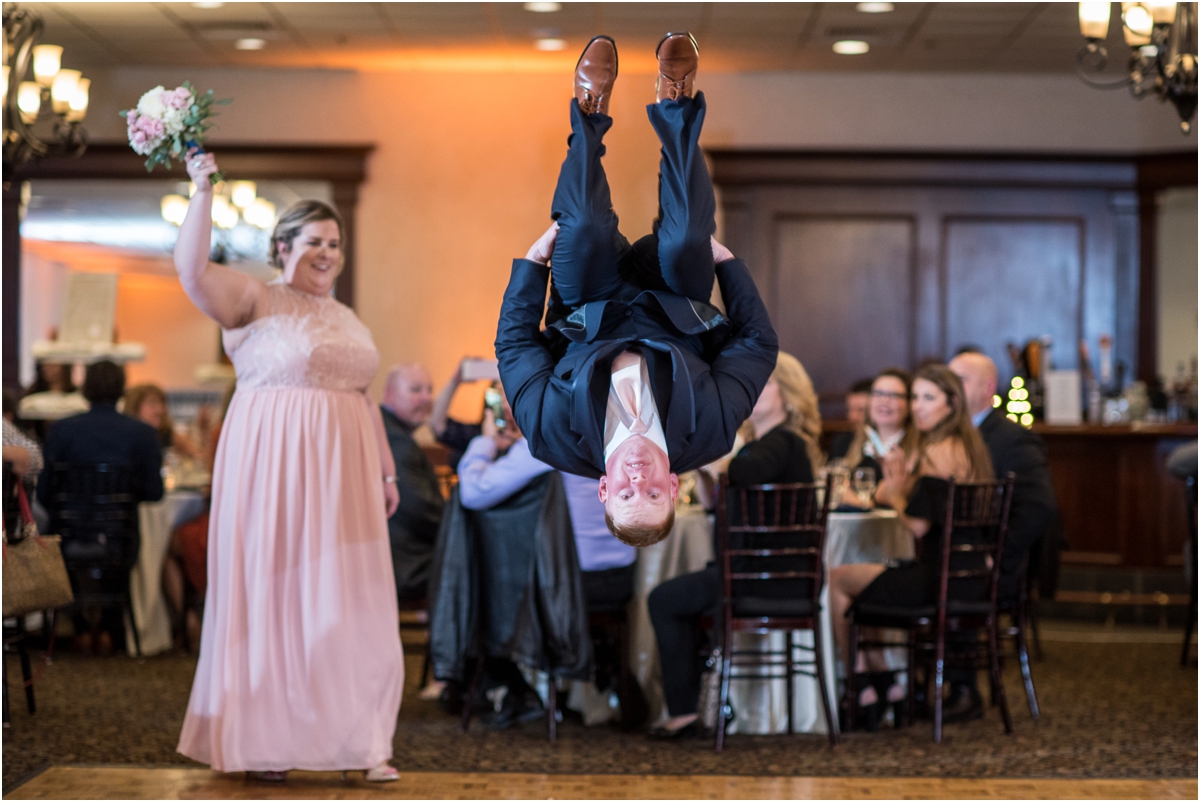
{"x": 863, "y": 484}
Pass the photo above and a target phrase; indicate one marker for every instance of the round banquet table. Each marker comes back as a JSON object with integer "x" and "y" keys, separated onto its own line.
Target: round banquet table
{"x": 157, "y": 520}
{"x": 761, "y": 705}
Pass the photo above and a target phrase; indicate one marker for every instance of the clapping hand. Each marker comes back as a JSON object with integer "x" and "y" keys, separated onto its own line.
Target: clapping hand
{"x": 897, "y": 467}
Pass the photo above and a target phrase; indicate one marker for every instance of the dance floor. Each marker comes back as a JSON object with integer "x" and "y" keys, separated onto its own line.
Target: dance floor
{"x": 124, "y": 782}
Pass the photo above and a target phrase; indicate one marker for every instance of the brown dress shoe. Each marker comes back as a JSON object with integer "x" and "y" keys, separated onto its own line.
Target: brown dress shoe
{"x": 595, "y": 75}
{"x": 678, "y": 56}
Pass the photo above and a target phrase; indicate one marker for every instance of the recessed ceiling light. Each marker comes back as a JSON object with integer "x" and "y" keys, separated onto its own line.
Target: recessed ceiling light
{"x": 543, "y": 8}
{"x": 254, "y": 44}
{"x": 850, "y": 47}
{"x": 875, "y": 8}
{"x": 550, "y": 44}
{"x": 208, "y": 5}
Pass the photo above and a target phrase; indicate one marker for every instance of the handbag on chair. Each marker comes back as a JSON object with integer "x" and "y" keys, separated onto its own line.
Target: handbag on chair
{"x": 35, "y": 577}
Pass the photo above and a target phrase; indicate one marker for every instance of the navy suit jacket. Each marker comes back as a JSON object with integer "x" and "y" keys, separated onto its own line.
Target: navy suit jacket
{"x": 707, "y": 369}
{"x": 1034, "y": 513}
{"x": 104, "y": 435}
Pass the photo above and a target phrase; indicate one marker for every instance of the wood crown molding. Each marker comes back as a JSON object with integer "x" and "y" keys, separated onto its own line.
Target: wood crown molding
{"x": 116, "y": 160}
{"x": 734, "y": 167}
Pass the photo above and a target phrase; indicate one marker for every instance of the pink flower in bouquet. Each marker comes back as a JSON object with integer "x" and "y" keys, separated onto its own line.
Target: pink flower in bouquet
{"x": 178, "y": 98}
{"x": 145, "y": 133}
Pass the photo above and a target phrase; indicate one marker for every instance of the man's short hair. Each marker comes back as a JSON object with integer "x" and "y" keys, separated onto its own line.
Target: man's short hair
{"x": 638, "y": 535}
{"x": 862, "y": 386}
{"x": 104, "y": 383}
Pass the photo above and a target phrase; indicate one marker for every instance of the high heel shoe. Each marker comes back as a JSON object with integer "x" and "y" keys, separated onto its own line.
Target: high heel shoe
{"x": 891, "y": 694}
{"x": 383, "y": 773}
{"x": 870, "y": 706}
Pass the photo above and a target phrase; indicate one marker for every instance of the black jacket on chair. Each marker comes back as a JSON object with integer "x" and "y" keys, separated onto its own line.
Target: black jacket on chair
{"x": 1033, "y": 519}
{"x": 707, "y": 369}
{"x": 506, "y": 583}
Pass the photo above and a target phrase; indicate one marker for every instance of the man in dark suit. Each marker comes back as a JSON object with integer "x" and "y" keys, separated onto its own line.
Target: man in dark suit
{"x": 1033, "y": 518}
{"x": 413, "y": 528}
{"x": 635, "y": 377}
{"x": 103, "y": 435}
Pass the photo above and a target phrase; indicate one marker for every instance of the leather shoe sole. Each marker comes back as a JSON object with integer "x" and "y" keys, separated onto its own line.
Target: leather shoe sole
{"x": 678, "y": 57}
{"x": 595, "y": 74}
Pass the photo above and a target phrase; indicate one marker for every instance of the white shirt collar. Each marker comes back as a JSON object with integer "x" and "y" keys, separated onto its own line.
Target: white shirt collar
{"x": 616, "y": 428}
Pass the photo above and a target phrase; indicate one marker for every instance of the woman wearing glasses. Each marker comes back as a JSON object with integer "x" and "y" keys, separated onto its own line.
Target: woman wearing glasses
{"x": 888, "y": 424}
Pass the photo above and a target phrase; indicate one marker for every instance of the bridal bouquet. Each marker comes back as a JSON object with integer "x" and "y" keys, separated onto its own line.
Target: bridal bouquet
{"x": 167, "y": 122}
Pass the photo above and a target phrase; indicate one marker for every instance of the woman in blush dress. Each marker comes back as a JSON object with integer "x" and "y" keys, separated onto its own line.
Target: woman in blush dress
{"x": 300, "y": 662}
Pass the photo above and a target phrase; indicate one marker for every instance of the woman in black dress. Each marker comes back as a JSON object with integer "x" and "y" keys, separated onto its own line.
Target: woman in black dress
{"x": 949, "y": 447}
{"x": 787, "y": 423}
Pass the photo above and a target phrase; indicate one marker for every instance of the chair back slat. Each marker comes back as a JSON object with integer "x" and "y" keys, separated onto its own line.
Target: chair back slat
{"x": 976, "y": 524}
{"x": 771, "y": 536}
{"x": 94, "y": 507}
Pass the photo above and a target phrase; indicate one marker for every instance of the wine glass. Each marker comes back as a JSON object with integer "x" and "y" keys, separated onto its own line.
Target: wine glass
{"x": 863, "y": 484}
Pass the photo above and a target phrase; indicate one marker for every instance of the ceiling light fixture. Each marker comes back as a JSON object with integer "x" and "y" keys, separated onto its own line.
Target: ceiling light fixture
{"x": 42, "y": 116}
{"x": 850, "y": 47}
{"x": 250, "y": 44}
{"x": 550, "y": 44}
{"x": 208, "y": 6}
{"x": 543, "y": 8}
{"x": 1162, "y": 40}
{"x": 875, "y": 8}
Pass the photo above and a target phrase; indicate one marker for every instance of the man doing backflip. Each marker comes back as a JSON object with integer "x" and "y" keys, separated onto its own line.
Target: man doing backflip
{"x": 635, "y": 377}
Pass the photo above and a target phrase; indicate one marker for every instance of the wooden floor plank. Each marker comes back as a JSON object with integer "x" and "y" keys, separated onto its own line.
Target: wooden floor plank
{"x": 120, "y": 782}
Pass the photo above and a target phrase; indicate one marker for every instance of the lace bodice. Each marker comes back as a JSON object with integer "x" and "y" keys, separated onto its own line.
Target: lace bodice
{"x": 303, "y": 341}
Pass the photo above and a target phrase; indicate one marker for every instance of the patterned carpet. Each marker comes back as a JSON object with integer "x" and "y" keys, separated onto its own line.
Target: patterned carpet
{"x": 1109, "y": 710}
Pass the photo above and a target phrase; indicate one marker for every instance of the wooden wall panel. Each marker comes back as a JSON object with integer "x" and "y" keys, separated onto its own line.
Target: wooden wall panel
{"x": 1006, "y": 279}
{"x": 843, "y": 287}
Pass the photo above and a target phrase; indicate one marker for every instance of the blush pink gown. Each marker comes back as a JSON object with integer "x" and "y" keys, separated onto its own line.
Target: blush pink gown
{"x": 300, "y": 661}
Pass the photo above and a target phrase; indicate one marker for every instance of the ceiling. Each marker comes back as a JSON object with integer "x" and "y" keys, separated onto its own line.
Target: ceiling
{"x": 1002, "y": 37}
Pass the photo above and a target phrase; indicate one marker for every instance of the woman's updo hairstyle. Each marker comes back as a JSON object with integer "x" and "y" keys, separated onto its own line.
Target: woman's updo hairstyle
{"x": 296, "y": 217}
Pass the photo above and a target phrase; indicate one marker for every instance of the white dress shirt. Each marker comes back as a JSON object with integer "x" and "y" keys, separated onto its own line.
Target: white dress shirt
{"x": 631, "y": 409}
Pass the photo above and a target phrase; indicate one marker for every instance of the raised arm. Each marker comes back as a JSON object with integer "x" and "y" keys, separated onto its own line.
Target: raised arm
{"x": 231, "y": 298}
{"x": 441, "y": 405}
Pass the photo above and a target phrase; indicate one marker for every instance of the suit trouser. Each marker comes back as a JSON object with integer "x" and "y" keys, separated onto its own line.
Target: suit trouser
{"x": 592, "y": 260}
{"x": 675, "y": 609}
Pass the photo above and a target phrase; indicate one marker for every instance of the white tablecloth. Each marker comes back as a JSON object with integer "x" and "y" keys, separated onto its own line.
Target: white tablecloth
{"x": 852, "y": 537}
{"x": 157, "y": 520}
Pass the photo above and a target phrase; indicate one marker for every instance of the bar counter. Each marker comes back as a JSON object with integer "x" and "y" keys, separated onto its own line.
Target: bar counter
{"x": 1119, "y": 505}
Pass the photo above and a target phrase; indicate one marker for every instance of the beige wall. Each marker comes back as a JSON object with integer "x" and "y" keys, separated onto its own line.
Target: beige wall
{"x": 465, "y": 164}
{"x": 1177, "y": 267}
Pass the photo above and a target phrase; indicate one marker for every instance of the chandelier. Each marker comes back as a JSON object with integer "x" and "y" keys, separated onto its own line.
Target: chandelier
{"x": 44, "y": 105}
{"x": 1162, "y": 38}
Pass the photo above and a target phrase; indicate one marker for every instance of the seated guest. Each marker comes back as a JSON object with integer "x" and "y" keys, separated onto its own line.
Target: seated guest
{"x": 496, "y": 465}
{"x": 787, "y": 424}
{"x": 888, "y": 424}
{"x": 454, "y": 435}
{"x": 1033, "y": 530}
{"x": 948, "y": 447}
{"x": 413, "y": 528}
{"x": 103, "y": 435}
{"x": 148, "y": 403}
{"x": 857, "y": 401}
